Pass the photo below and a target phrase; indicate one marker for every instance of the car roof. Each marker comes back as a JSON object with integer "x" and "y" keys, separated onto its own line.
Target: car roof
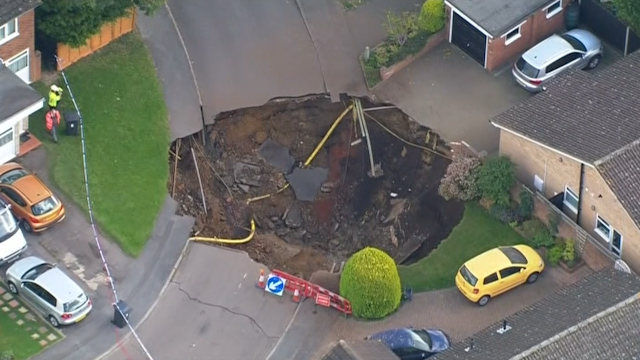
{"x": 59, "y": 285}
{"x": 9, "y": 166}
{"x": 32, "y": 188}
{"x": 395, "y": 338}
{"x": 547, "y": 50}
{"x": 487, "y": 263}
{"x": 23, "y": 265}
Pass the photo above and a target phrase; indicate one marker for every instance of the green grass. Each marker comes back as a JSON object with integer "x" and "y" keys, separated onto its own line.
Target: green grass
{"x": 16, "y": 339}
{"x": 476, "y": 233}
{"x": 127, "y": 136}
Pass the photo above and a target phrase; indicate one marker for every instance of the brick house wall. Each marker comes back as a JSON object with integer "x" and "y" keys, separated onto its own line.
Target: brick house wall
{"x": 558, "y": 171}
{"x": 26, "y": 40}
{"x": 536, "y": 28}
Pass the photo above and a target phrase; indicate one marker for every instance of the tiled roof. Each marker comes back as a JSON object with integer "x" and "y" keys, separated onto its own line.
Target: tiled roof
{"x": 10, "y": 9}
{"x": 552, "y": 316}
{"x": 498, "y": 16}
{"x": 360, "y": 350}
{"x": 582, "y": 114}
{"x": 15, "y": 94}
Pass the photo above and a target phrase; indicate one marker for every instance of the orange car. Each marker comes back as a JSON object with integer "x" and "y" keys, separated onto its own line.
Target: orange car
{"x": 32, "y": 203}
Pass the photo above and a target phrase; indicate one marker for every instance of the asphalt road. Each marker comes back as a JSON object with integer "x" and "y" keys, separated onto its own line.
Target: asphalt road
{"x": 212, "y": 310}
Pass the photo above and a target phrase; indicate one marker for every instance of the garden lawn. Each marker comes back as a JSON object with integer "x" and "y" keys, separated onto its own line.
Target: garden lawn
{"x": 16, "y": 339}
{"x": 476, "y": 233}
{"x": 127, "y": 137}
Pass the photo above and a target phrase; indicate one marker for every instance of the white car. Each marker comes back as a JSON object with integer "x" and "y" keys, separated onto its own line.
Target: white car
{"x": 12, "y": 241}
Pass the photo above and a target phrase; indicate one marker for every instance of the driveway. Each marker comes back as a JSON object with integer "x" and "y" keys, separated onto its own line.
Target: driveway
{"x": 213, "y": 310}
{"x": 450, "y": 93}
{"x": 445, "y": 309}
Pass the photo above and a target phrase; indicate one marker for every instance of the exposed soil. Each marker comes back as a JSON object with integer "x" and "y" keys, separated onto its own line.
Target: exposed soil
{"x": 398, "y": 212}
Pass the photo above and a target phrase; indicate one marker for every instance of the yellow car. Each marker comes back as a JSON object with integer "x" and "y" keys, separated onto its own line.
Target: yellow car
{"x": 497, "y": 271}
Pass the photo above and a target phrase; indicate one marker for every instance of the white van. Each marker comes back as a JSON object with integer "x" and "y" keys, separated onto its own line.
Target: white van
{"x": 12, "y": 241}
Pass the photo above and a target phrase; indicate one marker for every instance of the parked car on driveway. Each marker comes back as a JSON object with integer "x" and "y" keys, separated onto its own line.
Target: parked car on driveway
{"x": 49, "y": 291}
{"x": 32, "y": 203}
{"x": 12, "y": 241}
{"x": 410, "y": 344}
{"x": 575, "y": 49}
{"x": 497, "y": 271}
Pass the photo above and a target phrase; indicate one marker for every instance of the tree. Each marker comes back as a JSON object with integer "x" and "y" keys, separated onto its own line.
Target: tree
{"x": 401, "y": 26}
{"x": 495, "y": 179}
{"x": 629, "y": 12}
{"x": 370, "y": 281}
{"x": 73, "y": 22}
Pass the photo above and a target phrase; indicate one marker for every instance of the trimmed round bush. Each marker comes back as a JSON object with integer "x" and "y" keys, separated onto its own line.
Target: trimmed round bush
{"x": 432, "y": 16}
{"x": 370, "y": 281}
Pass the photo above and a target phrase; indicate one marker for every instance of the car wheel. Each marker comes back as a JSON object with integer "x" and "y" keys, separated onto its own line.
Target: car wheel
{"x": 594, "y": 62}
{"x": 12, "y": 287}
{"x": 26, "y": 226}
{"x": 532, "y": 278}
{"x": 53, "y": 321}
{"x": 483, "y": 300}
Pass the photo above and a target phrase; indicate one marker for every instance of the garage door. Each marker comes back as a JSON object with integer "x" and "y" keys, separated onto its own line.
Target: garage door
{"x": 7, "y": 146}
{"x": 471, "y": 40}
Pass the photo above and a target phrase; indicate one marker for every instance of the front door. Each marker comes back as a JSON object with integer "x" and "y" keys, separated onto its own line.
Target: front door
{"x": 20, "y": 65}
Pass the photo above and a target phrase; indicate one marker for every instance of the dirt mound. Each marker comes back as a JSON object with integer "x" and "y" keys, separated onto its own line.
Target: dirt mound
{"x": 397, "y": 212}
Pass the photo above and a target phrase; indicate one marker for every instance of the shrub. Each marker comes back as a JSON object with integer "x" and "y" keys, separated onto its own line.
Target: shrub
{"x": 532, "y": 227}
{"x": 569, "y": 252}
{"x": 400, "y": 26}
{"x": 505, "y": 214}
{"x": 370, "y": 281}
{"x": 460, "y": 180}
{"x": 495, "y": 179}
{"x": 543, "y": 238}
{"x": 432, "y": 16}
{"x": 6, "y": 355}
{"x": 525, "y": 209}
{"x": 554, "y": 255}
{"x": 554, "y": 222}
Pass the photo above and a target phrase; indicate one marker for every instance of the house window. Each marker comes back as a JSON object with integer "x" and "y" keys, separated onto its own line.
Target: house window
{"x": 6, "y": 137}
{"x": 570, "y": 199}
{"x": 603, "y": 228}
{"x": 512, "y": 35}
{"x": 9, "y": 30}
{"x": 553, "y": 9}
{"x": 19, "y": 62}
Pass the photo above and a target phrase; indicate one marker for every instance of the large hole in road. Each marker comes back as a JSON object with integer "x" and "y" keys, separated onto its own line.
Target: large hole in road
{"x": 399, "y": 212}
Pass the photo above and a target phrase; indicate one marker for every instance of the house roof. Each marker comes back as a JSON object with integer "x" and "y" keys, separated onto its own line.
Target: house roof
{"x": 10, "y": 9}
{"x": 15, "y": 94}
{"x": 498, "y": 16}
{"x": 360, "y": 350}
{"x": 546, "y": 329}
{"x": 594, "y": 117}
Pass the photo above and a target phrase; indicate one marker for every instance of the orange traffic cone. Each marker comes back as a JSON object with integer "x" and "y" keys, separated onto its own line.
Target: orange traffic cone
{"x": 261, "y": 279}
{"x": 296, "y": 295}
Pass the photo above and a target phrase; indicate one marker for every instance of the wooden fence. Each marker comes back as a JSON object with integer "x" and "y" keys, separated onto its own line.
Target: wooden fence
{"x": 109, "y": 32}
{"x": 608, "y": 26}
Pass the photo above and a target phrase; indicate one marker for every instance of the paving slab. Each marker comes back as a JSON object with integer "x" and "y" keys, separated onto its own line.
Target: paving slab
{"x": 212, "y": 309}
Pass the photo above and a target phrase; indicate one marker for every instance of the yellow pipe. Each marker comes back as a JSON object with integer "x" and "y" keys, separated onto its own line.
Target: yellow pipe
{"x": 286, "y": 186}
{"x": 227, "y": 241}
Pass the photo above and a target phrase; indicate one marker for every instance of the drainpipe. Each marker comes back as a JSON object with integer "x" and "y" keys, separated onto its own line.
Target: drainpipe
{"x": 580, "y": 193}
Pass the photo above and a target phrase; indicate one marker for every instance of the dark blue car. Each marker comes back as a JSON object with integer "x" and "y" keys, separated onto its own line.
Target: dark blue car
{"x": 411, "y": 344}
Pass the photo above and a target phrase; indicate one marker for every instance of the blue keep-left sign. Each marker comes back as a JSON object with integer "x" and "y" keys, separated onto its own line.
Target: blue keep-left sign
{"x": 275, "y": 285}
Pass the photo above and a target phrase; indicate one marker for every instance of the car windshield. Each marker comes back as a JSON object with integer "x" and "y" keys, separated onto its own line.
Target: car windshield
{"x": 36, "y": 271}
{"x": 514, "y": 255}
{"x": 8, "y": 224}
{"x": 526, "y": 68}
{"x": 76, "y": 303}
{"x": 11, "y": 176}
{"x": 422, "y": 340}
{"x": 467, "y": 275}
{"x": 575, "y": 43}
{"x": 44, "y": 206}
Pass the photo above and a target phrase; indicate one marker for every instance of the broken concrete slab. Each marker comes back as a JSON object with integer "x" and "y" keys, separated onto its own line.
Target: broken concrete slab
{"x": 247, "y": 174}
{"x": 306, "y": 183}
{"x": 276, "y": 155}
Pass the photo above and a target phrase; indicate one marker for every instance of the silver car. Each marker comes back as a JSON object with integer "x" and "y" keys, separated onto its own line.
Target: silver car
{"x": 48, "y": 290}
{"x": 575, "y": 49}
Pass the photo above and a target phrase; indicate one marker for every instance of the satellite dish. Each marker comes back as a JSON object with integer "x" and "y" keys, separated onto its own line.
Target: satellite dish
{"x": 622, "y": 266}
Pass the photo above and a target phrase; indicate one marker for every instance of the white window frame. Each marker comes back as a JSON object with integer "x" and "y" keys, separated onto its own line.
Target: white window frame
{"x": 508, "y": 40}
{"x": 13, "y": 35}
{"x": 568, "y": 190}
{"x": 553, "y": 13}
{"x": 25, "y": 52}
{"x": 606, "y": 237}
{"x": 621, "y": 242}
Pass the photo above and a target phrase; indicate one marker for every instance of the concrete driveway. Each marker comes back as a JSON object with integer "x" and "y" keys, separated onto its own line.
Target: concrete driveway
{"x": 450, "y": 93}
{"x": 212, "y": 310}
{"x": 445, "y": 309}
